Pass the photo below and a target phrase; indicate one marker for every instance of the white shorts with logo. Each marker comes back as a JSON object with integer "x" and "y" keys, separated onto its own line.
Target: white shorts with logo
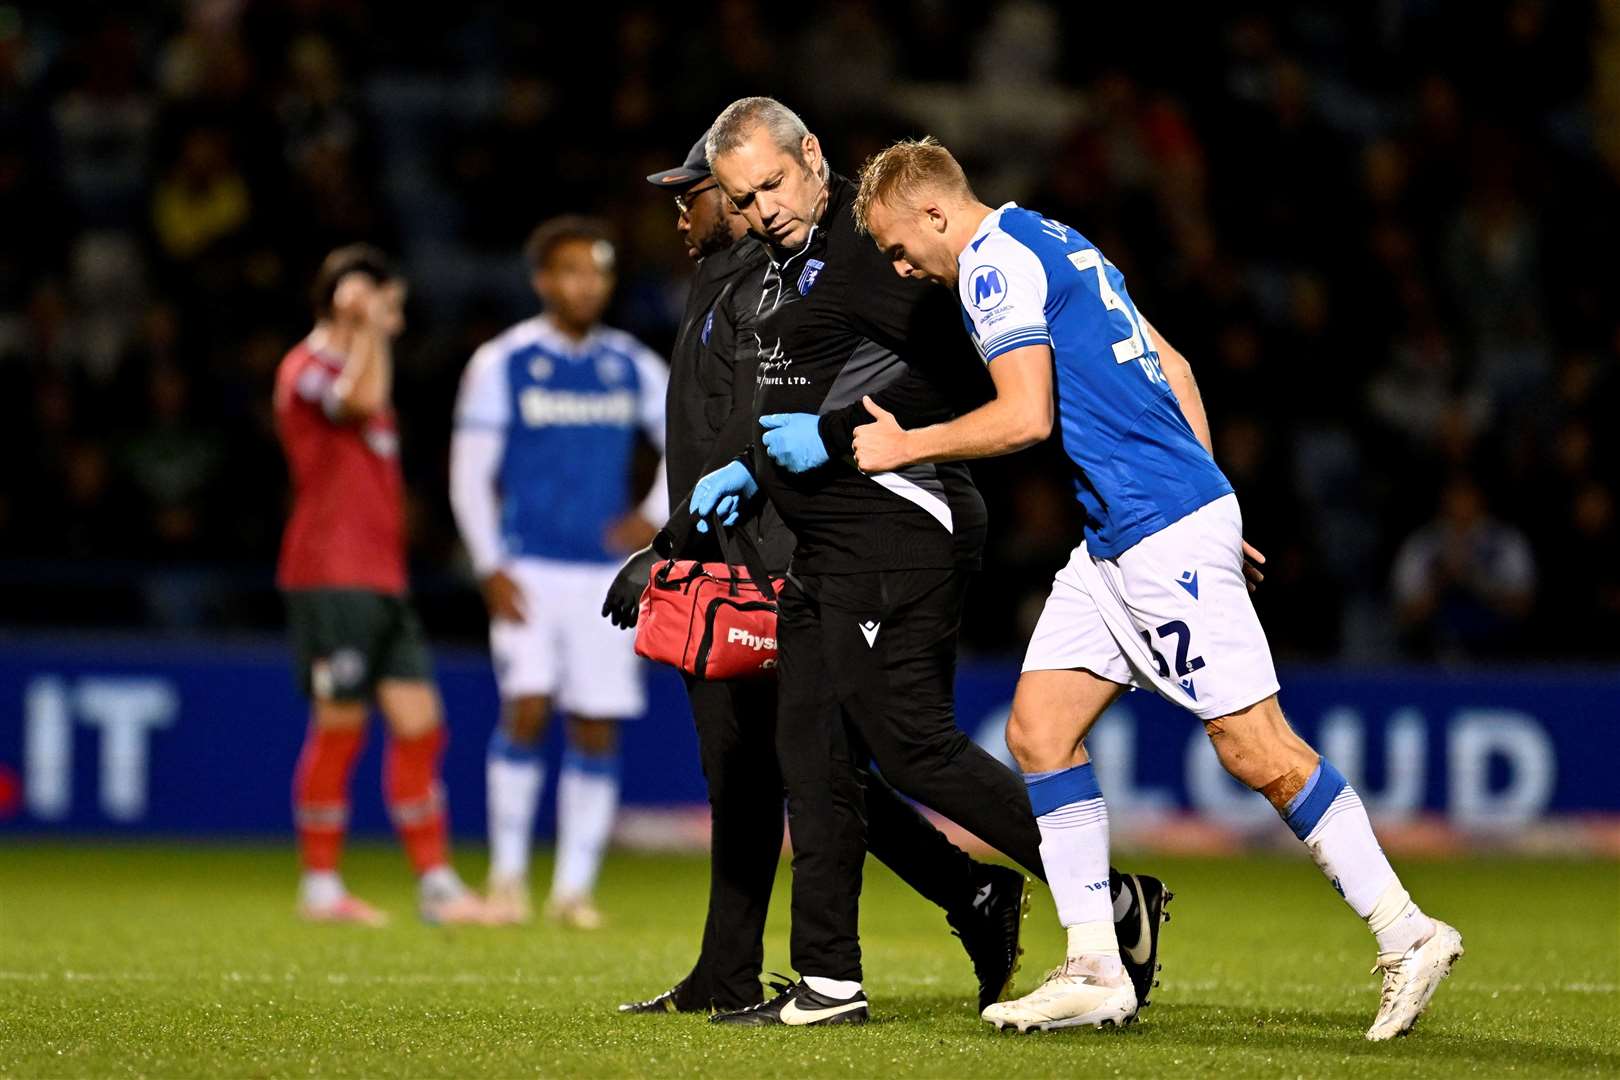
{"x": 1171, "y": 614}
{"x": 565, "y": 649}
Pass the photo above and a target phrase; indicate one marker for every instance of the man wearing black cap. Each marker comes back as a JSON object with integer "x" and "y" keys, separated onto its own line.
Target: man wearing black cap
{"x": 713, "y": 368}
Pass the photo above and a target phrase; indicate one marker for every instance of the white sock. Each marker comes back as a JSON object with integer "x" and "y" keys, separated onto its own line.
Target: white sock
{"x": 515, "y": 778}
{"x": 321, "y": 888}
{"x": 1327, "y": 814}
{"x": 440, "y": 883}
{"x": 1097, "y": 945}
{"x": 1073, "y": 820}
{"x": 833, "y": 988}
{"x": 587, "y": 800}
{"x": 1397, "y": 922}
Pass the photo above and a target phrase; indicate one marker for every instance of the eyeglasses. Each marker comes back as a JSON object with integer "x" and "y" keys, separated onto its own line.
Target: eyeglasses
{"x": 684, "y": 201}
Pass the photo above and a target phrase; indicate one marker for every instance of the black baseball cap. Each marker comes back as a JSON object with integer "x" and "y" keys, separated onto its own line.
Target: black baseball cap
{"x": 689, "y": 172}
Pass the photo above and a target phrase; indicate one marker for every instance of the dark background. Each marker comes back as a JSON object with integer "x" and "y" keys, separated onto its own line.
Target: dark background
{"x": 1385, "y": 237}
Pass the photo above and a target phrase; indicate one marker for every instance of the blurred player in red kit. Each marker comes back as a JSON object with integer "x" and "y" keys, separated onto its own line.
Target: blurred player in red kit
{"x": 342, "y": 571}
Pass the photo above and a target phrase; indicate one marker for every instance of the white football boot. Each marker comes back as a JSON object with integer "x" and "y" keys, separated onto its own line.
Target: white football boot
{"x": 1410, "y": 980}
{"x": 1074, "y": 995}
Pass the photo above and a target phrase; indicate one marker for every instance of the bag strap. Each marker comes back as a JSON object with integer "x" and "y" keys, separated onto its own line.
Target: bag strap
{"x": 751, "y": 557}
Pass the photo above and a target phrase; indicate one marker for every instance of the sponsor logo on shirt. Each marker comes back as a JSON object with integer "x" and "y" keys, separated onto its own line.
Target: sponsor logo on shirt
{"x": 382, "y": 441}
{"x": 566, "y": 408}
{"x": 989, "y": 288}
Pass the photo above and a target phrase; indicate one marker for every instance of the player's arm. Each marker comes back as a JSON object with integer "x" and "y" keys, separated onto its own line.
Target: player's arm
{"x": 363, "y": 387}
{"x": 633, "y": 532}
{"x": 477, "y": 448}
{"x": 1179, "y": 373}
{"x": 1019, "y": 416}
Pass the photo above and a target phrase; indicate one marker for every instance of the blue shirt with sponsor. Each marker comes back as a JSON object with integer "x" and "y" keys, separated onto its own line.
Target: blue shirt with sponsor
{"x": 570, "y": 413}
{"x": 1027, "y": 280}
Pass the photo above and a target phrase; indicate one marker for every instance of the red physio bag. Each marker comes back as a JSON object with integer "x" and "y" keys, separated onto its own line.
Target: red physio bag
{"x": 712, "y": 620}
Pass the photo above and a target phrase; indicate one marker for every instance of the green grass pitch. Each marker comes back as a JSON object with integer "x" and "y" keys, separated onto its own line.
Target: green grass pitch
{"x": 186, "y": 961}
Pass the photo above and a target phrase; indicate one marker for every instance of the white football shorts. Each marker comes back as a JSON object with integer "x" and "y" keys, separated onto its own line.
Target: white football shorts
{"x": 565, "y": 649}
{"x": 1172, "y": 614}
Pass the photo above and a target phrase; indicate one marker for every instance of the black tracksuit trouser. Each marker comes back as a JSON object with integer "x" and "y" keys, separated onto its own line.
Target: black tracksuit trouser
{"x": 736, "y": 726}
{"x": 867, "y": 673}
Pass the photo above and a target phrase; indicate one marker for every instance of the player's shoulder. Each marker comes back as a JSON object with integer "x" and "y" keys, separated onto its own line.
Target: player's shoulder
{"x": 1005, "y": 237}
{"x": 302, "y": 355}
{"x": 495, "y": 352}
{"x": 1000, "y": 262}
{"x": 303, "y": 373}
{"x": 627, "y": 345}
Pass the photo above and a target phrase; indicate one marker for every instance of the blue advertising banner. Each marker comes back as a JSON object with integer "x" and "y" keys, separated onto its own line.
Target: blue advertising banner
{"x": 117, "y": 736}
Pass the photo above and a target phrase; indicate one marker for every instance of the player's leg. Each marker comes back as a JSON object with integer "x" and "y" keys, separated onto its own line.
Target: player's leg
{"x": 414, "y": 793}
{"x": 1198, "y": 639}
{"x": 321, "y": 809}
{"x": 587, "y": 803}
{"x": 1053, "y": 712}
{"x": 514, "y": 777}
{"x": 1072, "y": 672}
{"x": 1259, "y": 748}
{"x": 599, "y": 685}
{"x": 526, "y": 658}
{"x": 331, "y": 645}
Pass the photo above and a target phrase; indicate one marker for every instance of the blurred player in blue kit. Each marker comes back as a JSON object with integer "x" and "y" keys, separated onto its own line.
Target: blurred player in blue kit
{"x": 546, "y": 428}
{"x": 1154, "y": 596}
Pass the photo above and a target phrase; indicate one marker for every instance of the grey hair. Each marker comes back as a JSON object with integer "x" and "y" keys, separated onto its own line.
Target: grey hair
{"x": 739, "y": 119}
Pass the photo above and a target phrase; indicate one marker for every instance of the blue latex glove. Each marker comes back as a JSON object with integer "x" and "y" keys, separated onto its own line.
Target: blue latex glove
{"x": 722, "y": 492}
{"x": 793, "y": 440}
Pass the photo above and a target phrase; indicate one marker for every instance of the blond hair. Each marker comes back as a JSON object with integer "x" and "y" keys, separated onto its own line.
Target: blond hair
{"x": 898, "y": 173}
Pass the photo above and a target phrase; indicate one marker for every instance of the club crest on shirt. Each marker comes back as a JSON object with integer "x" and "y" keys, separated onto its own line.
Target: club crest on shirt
{"x": 539, "y": 369}
{"x": 708, "y": 326}
{"x": 610, "y": 369}
{"x": 381, "y": 440}
{"x": 812, "y": 271}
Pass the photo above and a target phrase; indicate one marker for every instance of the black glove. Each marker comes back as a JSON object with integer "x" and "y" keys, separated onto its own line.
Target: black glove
{"x": 623, "y": 601}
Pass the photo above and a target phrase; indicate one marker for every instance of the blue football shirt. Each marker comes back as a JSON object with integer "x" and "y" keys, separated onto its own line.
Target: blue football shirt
{"x": 570, "y": 413}
{"x": 1027, "y": 280}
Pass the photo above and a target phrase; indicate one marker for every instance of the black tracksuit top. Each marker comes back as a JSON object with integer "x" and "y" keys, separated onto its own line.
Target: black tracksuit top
{"x": 835, "y": 323}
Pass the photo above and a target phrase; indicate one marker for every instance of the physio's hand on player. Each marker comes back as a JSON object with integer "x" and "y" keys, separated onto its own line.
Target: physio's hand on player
{"x": 1253, "y": 562}
{"x": 623, "y": 604}
{"x": 880, "y": 445}
{"x": 793, "y": 440}
{"x": 722, "y": 492}
{"x": 503, "y": 597}
{"x": 629, "y": 533}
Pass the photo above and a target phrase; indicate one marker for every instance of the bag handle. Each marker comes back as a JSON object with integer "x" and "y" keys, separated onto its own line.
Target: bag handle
{"x": 751, "y": 558}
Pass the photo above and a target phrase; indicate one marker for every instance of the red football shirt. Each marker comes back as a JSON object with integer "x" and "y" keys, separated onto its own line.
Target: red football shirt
{"x": 347, "y": 529}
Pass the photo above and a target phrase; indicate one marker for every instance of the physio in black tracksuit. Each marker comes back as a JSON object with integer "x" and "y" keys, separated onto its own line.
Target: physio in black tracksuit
{"x": 872, "y": 608}
{"x": 710, "y": 421}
